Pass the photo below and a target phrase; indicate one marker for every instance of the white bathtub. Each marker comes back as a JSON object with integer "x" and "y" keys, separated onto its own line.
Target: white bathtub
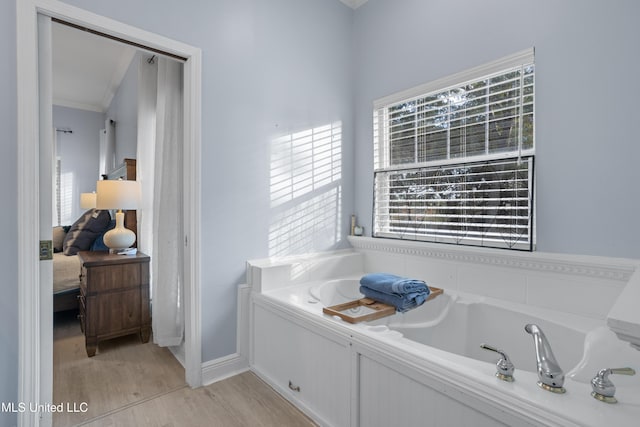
{"x": 459, "y": 323}
{"x": 444, "y": 335}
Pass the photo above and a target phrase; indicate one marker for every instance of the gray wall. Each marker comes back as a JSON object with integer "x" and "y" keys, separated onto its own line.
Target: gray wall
{"x": 8, "y": 217}
{"x": 587, "y": 92}
{"x": 124, "y": 111}
{"x": 79, "y": 154}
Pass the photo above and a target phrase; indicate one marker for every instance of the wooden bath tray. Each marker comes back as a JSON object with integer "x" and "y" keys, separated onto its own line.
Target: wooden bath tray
{"x": 361, "y": 310}
{"x": 366, "y": 309}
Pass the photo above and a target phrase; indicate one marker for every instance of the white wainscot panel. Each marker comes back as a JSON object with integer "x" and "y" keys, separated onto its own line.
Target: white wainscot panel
{"x": 438, "y": 273}
{"x": 389, "y": 398}
{"x": 497, "y": 282}
{"x": 309, "y": 369}
{"x": 584, "y": 296}
{"x": 383, "y": 263}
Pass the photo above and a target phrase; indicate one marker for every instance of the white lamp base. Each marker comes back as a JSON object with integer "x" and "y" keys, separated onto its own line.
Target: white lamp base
{"x": 119, "y": 238}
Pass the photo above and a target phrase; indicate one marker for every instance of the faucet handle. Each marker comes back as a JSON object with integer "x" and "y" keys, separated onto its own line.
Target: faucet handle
{"x": 603, "y": 388}
{"x": 504, "y": 366}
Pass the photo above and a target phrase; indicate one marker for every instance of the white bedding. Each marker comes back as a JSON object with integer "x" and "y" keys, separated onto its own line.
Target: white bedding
{"x": 66, "y": 272}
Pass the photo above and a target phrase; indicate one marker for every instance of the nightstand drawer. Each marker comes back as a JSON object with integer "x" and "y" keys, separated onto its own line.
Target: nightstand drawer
{"x": 83, "y": 281}
{"x": 115, "y": 277}
{"x": 82, "y": 312}
{"x": 117, "y": 311}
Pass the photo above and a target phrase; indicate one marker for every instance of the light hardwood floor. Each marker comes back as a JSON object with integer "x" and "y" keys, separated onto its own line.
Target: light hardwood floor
{"x": 132, "y": 384}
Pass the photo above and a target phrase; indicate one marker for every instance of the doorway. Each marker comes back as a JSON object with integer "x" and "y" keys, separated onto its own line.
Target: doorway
{"x": 98, "y": 84}
{"x": 35, "y": 347}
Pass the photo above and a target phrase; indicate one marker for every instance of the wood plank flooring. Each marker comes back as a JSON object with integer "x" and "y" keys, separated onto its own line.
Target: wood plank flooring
{"x": 128, "y": 383}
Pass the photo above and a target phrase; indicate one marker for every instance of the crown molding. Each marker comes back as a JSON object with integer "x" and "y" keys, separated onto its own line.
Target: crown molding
{"x": 617, "y": 269}
{"x": 78, "y": 105}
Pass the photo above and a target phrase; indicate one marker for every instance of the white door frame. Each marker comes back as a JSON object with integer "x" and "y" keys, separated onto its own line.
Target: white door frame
{"x": 33, "y": 353}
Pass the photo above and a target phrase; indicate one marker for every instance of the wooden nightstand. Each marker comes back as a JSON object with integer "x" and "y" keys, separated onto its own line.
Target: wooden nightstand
{"x": 114, "y": 297}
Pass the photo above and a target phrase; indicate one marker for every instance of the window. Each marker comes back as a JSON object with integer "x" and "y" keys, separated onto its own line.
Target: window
{"x": 453, "y": 159}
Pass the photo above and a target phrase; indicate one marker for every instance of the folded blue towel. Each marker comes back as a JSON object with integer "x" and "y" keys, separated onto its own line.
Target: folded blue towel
{"x": 392, "y": 284}
{"x": 402, "y": 303}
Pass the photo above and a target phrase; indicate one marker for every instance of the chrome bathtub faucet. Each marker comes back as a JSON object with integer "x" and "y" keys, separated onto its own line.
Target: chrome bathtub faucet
{"x": 549, "y": 373}
{"x": 603, "y": 388}
{"x": 504, "y": 366}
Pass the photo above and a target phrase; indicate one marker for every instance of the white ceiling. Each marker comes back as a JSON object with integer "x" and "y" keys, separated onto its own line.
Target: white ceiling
{"x": 87, "y": 69}
{"x": 354, "y": 3}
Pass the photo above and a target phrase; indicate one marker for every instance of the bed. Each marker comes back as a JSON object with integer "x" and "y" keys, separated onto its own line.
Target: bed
{"x": 66, "y": 282}
{"x": 85, "y": 234}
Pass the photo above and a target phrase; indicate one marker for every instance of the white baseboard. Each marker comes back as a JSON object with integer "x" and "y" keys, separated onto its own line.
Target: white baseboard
{"x": 179, "y": 353}
{"x": 223, "y": 368}
{"x": 238, "y": 362}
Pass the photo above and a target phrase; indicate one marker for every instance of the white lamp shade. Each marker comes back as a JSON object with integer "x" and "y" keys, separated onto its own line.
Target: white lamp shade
{"x": 117, "y": 194}
{"x": 88, "y": 200}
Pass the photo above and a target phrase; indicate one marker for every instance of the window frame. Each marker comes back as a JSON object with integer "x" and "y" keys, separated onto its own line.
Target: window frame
{"x": 382, "y": 143}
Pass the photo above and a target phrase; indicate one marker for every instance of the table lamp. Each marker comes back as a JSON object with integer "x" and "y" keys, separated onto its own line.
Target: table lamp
{"x": 120, "y": 195}
{"x": 88, "y": 200}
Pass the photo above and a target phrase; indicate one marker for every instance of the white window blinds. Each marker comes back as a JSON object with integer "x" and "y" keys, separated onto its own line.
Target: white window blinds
{"x": 455, "y": 164}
